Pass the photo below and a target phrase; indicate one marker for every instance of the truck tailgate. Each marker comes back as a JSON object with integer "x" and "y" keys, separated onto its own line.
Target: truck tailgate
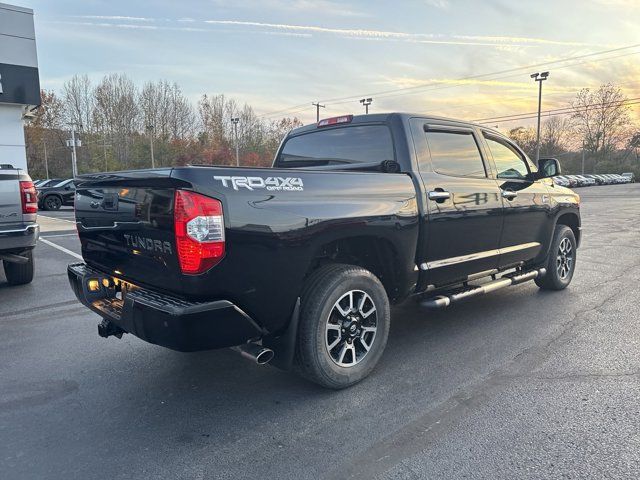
{"x": 125, "y": 224}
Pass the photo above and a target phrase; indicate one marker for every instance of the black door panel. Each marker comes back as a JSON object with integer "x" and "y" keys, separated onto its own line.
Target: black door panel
{"x": 463, "y": 215}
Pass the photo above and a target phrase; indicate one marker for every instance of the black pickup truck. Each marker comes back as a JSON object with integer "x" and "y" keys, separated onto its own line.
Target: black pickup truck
{"x": 300, "y": 262}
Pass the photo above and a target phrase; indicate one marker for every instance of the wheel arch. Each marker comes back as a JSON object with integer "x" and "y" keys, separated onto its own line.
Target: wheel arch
{"x": 571, "y": 220}
{"x": 375, "y": 254}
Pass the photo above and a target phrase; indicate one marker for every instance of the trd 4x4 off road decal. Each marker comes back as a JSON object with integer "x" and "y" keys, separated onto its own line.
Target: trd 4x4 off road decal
{"x": 278, "y": 184}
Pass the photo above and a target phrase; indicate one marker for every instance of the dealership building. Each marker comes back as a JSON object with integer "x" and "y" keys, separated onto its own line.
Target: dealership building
{"x": 19, "y": 81}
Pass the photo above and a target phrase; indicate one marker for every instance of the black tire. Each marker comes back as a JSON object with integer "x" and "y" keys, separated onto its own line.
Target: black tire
{"x": 321, "y": 323}
{"x": 19, "y": 273}
{"x": 560, "y": 266}
{"x": 52, "y": 202}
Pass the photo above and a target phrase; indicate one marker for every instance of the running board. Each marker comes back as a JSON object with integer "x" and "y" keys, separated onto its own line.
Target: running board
{"x": 514, "y": 278}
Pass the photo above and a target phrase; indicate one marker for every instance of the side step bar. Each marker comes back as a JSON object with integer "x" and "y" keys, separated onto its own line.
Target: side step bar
{"x": 515, "y": 278}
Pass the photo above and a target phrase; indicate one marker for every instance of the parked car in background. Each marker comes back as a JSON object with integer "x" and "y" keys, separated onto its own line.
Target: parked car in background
{"x": 58, "y": 195}
{"x": 560, "y": 180}
{"x": 18, "y": 228}
{"x": 595, "y": 178}
{"x": 577, "y": 181}
{"x": 570, "y": 181}
{"x": 586, "y": 181}
{"x": 48, "y": 183}
{"x": 629, "y": 176}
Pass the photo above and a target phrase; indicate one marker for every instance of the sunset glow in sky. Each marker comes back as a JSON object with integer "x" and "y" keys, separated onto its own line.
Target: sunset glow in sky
{"x": 280, "y": 55}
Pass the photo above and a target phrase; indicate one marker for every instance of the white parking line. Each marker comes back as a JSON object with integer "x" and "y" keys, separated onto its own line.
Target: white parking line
{"x": 56, "y": 218}
{"x": 62, "y": 249}
{"x": 60, "y": 235}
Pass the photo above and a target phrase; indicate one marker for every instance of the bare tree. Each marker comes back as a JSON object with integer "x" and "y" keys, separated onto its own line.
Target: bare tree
{"x": 117, "y": 111}
{"x": 525, "y": 137}
{"x": 601, "y": 118}
{"x": 78, "y": 98}
{"x": 556, "y": 136}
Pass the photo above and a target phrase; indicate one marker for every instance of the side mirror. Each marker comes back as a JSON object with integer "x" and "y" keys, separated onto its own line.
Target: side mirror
{"x": 548, "y": 167}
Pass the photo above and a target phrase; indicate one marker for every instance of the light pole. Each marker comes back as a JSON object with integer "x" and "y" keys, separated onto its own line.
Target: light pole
{"x": 366, "y": 102}
{"x": 46, "y": 160}
{"x": 539, "y": 77}
{"x": 235, "y": 121}
{"x": 153, "y": 160}
{"x": 73, "y": 143}
{"x": 318, "y": 107}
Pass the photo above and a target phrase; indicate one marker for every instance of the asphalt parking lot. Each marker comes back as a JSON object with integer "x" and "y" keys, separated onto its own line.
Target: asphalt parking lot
{"x": 518, "y": 384}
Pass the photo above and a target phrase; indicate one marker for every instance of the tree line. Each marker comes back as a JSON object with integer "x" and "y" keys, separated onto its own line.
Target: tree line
{"x": 119, "y": 124}
{"x": 596, "y": 129}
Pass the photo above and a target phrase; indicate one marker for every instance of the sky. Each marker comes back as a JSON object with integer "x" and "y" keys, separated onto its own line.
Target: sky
{"x": 460, "y": 59}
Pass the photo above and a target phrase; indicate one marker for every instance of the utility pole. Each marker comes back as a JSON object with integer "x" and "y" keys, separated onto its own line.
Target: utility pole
{"x": 539, "y": 77}
{"x": 46, "y": 161}
{"x": 153, "y": 160}
{"x": 235, "y": 121}
{"x": 318, "y": 107}
{"x": 366, "y": 102}
{"x": 582, "y": 157}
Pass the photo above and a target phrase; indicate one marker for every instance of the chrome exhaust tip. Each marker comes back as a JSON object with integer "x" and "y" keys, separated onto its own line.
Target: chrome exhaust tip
{"x": 254, "y": 352}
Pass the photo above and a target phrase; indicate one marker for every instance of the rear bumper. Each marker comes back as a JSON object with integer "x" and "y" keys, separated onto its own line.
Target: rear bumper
{"x": 20, "y": 237}
{"x": 162, "y": 319}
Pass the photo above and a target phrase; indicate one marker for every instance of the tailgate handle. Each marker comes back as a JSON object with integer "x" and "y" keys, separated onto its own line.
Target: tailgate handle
{"x": 107, "y": 227}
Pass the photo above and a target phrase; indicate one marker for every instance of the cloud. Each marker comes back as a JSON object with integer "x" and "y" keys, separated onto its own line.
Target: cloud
{"x": 413, "y": 37}
{"x": 324, "y": 7}
{"x": 442, "y": 4}
{"x": 116, "y": 17}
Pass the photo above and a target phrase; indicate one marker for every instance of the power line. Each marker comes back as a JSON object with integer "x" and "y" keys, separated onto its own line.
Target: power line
{"x": 556, "y": 112}
{"x": 460, "y": 81}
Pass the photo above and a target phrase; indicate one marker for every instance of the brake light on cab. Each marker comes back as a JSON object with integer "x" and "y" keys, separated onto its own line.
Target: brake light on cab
{"x": 199, "y": 230}
{"x": 29, "y": 197}
{"x": 326, "y": 122}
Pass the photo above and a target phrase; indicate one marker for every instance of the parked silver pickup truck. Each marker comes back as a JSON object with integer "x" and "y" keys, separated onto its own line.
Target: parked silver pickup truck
{"x": 18, "y": 228}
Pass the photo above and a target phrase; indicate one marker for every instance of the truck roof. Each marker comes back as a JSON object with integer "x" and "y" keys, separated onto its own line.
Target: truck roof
{"x": 384, "y": 117}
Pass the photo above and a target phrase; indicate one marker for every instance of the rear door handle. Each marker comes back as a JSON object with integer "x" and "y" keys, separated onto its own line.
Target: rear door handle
{"x": 439, "y": 195}
{"x": 509, "y": 194}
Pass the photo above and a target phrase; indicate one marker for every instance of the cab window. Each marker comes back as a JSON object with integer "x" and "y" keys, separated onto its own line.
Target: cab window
{"x": 455, "y": 154}
{"x": 509, "y": 163}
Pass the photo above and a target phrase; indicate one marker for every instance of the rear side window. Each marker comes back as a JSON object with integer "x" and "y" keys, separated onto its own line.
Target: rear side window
{"x": 455, "y": 154}
{"x": 358, "y": 144}
{"x": 509, "y": 162}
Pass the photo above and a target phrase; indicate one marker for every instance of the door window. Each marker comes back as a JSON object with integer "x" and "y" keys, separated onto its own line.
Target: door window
{"x": 455, "y": 154}
{"x": 508, "y": 160}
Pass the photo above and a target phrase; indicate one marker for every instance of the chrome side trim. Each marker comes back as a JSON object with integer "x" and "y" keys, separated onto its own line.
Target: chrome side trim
{"x": 516, "y": 248}
{"x": 446, "y": 262}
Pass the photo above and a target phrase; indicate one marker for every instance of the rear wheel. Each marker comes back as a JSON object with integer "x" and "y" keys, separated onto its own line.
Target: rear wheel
{"x": 19, "y": 273}
{"x": 52, "y": 202}
{"x": 344, "y": 325}
{"x": 562, "y": 260}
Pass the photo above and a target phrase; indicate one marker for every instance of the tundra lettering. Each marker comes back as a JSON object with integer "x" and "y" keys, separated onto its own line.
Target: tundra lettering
{"x": 148, "y": 244}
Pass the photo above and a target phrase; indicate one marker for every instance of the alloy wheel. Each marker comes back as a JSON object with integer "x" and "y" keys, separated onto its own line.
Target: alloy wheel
{"x": 564, "y": 259}
{"x": 351, "y": 328}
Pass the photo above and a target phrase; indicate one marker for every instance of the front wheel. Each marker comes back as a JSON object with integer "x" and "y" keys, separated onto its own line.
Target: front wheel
{"x": 52, "y": 202}
{"x": 561, "y": 262}
{"x": 344, "y": 325}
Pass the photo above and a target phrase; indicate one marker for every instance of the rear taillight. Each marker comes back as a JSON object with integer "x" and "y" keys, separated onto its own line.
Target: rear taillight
{"x": 199, "y": 228}
{"x": 29, "y": 197}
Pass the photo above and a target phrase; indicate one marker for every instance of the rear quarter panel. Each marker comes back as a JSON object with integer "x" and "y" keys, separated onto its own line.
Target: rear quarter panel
{"x": 273, "y": 235}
